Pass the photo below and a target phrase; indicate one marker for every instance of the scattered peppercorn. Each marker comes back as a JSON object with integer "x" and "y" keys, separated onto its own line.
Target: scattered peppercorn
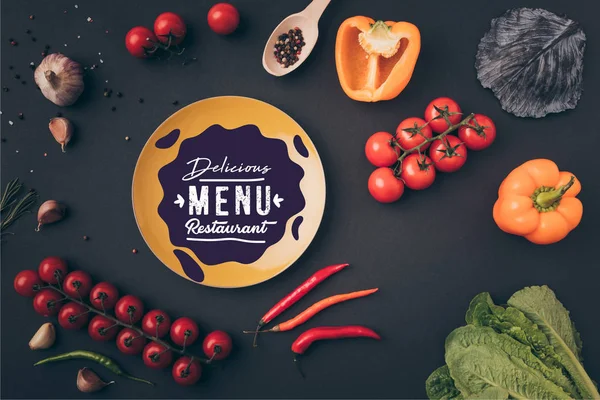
{"x": 140, "y": 100}
{"x": 17, "y": 76}
{"x": 113, "y": 108}
{"x": 23, "y": 82}
{"x": 288, "y": 47}
{"x": 134, "y": 251}
{"x": 119, "y": 94}
{"x": 13, "y": 43}
{"x": 3, "y": 140}
{"x": 44, "y": 54}
{"x": 85, "y": 237}
{"x": 47, "y": 46}
{"x": 20, "y": 115}
{"x": 59, "y": 114}
{"x": 32, "y": 16}
{"x": 33, "y": 39}
{"x": 45, "y": 154}
{"x": 5, "y": 89}
{"x": 10, "y": 67}
{"x": 127, "y": 138}
{"x": 107, "y": 92}
{"x": 175, "y": 103}
{"x": 28, "y": 31}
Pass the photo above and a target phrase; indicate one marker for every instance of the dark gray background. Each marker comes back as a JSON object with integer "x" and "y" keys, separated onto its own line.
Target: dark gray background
{"x": 430, "y": 253}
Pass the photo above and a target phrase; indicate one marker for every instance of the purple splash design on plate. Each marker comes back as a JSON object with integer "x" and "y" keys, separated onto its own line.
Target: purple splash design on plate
{"x": 300, "y": 147}
{"x": 190, "y": 267}
{"x": 168, "y": 140}
{"x": 229, "y": 194}
{"x": 296, "y": 227}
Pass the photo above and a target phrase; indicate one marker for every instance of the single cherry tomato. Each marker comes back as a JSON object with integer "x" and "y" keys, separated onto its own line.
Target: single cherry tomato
{"x": 104, "y": 294}
{"x": 479, "y": 134}
{"x": 440, "y": 107}
{"x": 102, "y": 329}
{"x": 77, "y": 284}
{"x": 187, "y": 371}
{"x": 52, "y": 269}
{"x": 184, "y": 331}
{"x": 384, "y": 186}
{"x": 47, "y": 302}
{"x": 412, "y": 132}
{"x": 130, "y": 342}
{"x": 380, "y": 150}
{"x": 448, "y": 154}
{"x": 156, "y": 323}
{"x": 223, "y": 18}
{"x": 417, "y": 171}
{"x": 157, "y": 356}
{"x": 140, "y": 42}
{"x": 170, "y": 26}
{"x": 129, "y": 309}
{"x": 73, "y": 316}
{"x": 27, "y": 283}
{"x": 217, "y": 345}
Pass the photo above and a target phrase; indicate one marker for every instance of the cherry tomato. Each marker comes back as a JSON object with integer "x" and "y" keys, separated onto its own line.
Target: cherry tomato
{"x": 140, "y": 41}
{"x": 52, "y": 268}
{"x": 380, "y": 151}
{"x": 47, "y": 302}
{"x": 77, "y": 284}
{"x": 27, "y": 283}
{"x": 412, "y": 132}
{"x": 156, "y": 323}
{"x": 130, "y": 342}
{"x": 217, "y": 345}
{"x": 448, "y": 107}
{"x": 223, "y": 18}
{"x": 480, "y": 134}
{"x": 384, "y": 186}
{"x": 157, "y": 356}
{"x": 449, "y": 154}
{"x": 73, "y": 316}
{"x": 129, "y": 309}
{"x": 186, "y": 371}
{"x": 104, "y": 293}
{"x": 417, "y": 171}
{"x": 170, "y": 24}
{"x": 102, "y": 329}
{"x": 184, "y": 331}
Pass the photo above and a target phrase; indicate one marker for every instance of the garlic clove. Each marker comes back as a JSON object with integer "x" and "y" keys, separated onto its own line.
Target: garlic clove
{"x": 62, "y": 130}
{"x": 60, "y": 79}
{"x": 88, "y": 381}
{"x": 50, "y": 211}
{"x": 44, "y": 337}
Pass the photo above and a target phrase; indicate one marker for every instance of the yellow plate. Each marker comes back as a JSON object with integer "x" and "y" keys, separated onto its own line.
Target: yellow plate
{"x": 228, "y": 192}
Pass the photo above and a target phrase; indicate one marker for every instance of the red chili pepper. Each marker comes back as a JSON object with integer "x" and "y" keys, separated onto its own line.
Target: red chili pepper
{"x": 315, "y": 309}
{"x": 297, "y": 294}
{"x": 330, "y": 332}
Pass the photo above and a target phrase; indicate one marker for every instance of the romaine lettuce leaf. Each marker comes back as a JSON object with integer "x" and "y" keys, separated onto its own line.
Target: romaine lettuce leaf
{"x": 540, "y": 305}
{"x": 440, "y": 386}
{"x": 484, "y": 363}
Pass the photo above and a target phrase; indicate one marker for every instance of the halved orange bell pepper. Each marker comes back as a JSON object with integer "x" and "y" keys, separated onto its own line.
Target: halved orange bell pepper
{"x": 537, "y": 201}
{"x": 375, "y": 60}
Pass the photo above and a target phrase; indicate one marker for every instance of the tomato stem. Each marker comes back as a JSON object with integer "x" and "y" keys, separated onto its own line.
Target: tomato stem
{"x": 140, "y": 333}
{"x": 441, "y": 136}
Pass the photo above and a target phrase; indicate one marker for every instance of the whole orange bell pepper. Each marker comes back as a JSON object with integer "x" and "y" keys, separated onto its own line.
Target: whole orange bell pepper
{"x": 375, "y": 60}
{"x": 537, "y": 201}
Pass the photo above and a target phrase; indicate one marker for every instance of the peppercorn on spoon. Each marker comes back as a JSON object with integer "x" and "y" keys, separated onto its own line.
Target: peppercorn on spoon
{"x": 308, "y": 22}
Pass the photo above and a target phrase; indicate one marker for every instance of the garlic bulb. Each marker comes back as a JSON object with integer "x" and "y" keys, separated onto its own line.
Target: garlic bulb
{"x": 60, "y": 79}
{"x": 44, "y": 337}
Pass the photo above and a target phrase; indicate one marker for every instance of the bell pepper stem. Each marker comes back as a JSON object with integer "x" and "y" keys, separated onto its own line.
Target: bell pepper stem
{"x": 547, "y": 199}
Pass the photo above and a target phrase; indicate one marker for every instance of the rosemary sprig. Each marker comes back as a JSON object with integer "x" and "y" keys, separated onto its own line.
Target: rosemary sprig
{"x": 15, "y": 208}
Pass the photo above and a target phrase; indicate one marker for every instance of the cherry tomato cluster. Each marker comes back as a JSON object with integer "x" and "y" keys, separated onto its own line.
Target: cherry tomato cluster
{"x": 52, "y": 284}
{"x": 411, "y": 157}
{"x": 170, "y": 30}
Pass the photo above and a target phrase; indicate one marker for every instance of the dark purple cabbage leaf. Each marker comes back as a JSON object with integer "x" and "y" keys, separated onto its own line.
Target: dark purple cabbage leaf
{"x": 532, "y": 60}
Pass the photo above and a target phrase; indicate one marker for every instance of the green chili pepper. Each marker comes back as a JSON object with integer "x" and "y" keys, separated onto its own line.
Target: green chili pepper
{"x": 98, "y": 358}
